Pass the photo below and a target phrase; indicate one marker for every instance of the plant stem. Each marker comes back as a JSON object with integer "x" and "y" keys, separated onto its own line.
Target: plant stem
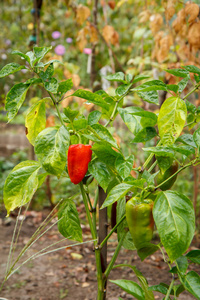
{"x": 111, "y": 232}
{"x": 170, "y": 288}
{"x": 115, "y": 108}
{"x": 85, "y": 201}
{"x": 150, "y": 157}
{"x": 184, "y": 167}
{"x": 110, "y": 266}
{"x": 193, "y": 90}
{"x": 152, "y": 166}
{"x": 56, "y": 106}
{"x": 97, "y": 249}
{"x": 113, "y": 113}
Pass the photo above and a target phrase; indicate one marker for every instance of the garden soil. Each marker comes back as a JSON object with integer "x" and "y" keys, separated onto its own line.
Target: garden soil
{"x": 69, "y": 273}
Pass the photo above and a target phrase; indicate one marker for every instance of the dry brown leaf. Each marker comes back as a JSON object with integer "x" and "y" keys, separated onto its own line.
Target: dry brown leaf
{"x": 110, "y": 35}
{"x": 82, "y": 13}
{"x": 112, "y": 4}
{"x": 169, "y": 12}
{"x": 93, "y": 34}
{"x": 179, "y": 21}
{"x": 50, "y": 121}
{"x": 165, "y": 44}
{"x": 194, "y": 35}
{"x": 144, "y": 16}
{"x": 76, "y": 80}
{"x": 156, "y": 22}
{"x": 115, "y": 38}
{"x": 184, "y": 52}
{"x": 67, "y": 100}
{"x": 82, "y": 39}
{"x": 192, "y": 9}
{"x": 88, "y": 106}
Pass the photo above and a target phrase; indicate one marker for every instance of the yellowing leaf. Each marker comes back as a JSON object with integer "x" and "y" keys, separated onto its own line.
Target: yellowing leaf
{"x": 82, "y": 13}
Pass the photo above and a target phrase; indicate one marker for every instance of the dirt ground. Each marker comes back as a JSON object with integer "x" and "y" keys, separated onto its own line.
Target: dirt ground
{"x": 70, "y": 272}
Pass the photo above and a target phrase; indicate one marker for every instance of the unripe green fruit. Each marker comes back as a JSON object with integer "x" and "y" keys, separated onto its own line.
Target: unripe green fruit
{"x": 168, "y": 173}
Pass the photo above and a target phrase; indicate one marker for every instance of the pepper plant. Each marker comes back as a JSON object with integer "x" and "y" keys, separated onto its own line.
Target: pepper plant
{"x": 83, "y": 149}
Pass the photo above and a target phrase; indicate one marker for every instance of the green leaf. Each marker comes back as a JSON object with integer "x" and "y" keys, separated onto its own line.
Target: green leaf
{"x": 40, "y": 52}
{"x": 182, "y": 84}
{"x": 101, "y": 172}
{"x": 187, "y": 139}
{"x": 93, "y": 117}
{"x": 164, "y": 162}
{"x": 182, "y": 264}
{"x": 10, "y": 69}
{"x": 196, "y": 137}
{"x": 194, "y": 256}
{"x": 69, "y": 223}
{"x": 123, "y": 89}
{"x": 129, "y": 77}
{"x": 52, "y": 61}
{"x": 192, "y": 69}
{"x": 143, "y": 281}
{"x": 161, "y": 288}
{"x": 147, "y": 250}
{"x": 124, "y": 166}
{"x": 65, "y": 86}
{"x": 35, "y": 120}
{"x": 139, "y": 78}
{"x": 70, "y": 114}
{"x": 21, "y": 184}
{"x": 153, "y": 85}
{"x": 49, "y": 71}
{"x": 148, "y": 118}
{"x": 171, "y": 119}
{"x": 119, "y": 76}
{"x": 92, "y": 98}
{"x": 118, "y": 192}
{"x": 146, "y": 134}
{"x": 29, "y": 56}
{"x": 51, "y": 147}
{"x": 160, "y": 151}
{"x": 130, "y": 287}
{"x": 150, "y": 97}
{"x": 33, "y": 81}
{"x": 190, "y": 107}
{"x": 80, "y": 123}
{"x": 144, "y": 284}
{"x": 15, "y": 99}
{"x": 121, "y": 211}
{"x": 51, "y": 85}
{"x": 131, "y": 121}
{"x": 105, "y": 153}
{"x": 178, "y": 72}
{"x": 175, "y": 220}
{"x": 184, "y": 149}
{"x": 191, "y": 282}
{"x": 173, "y": 87}
{"x": 104, "y": 134}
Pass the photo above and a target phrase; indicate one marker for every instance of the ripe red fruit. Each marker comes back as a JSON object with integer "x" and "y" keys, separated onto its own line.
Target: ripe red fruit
{"x": 79, "y": 156}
